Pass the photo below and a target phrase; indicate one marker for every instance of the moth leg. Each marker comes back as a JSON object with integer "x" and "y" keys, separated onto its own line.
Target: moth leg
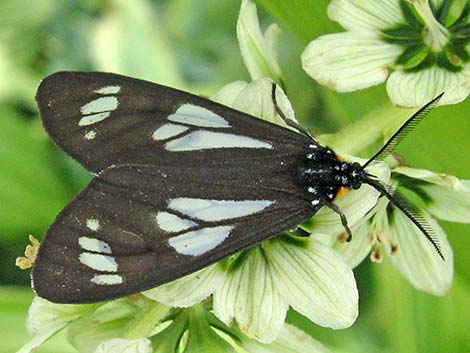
{"x": 288, "y": 121}
{"x": 342, "y": 216}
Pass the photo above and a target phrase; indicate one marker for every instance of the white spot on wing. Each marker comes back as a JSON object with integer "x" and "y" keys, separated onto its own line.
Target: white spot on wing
{"x": 92, "y": 244}
{"x": 216, "y": 210}
{"x": 201, "y": 140}
{"x": 197, "y": 116}
{"x": 93, "y": 119}
{"x": 200, "y": 241}
{"x": 99, "y": 262}
{"x": 107, "y": 279}
{"x": 172, "y": 223}
{"x": 102, "y": 104}
{"x": 90, "y": 135}
{"x": 93, "y": 224}
{"x": 108, "y": 90}
{"x": 167, "y": 131}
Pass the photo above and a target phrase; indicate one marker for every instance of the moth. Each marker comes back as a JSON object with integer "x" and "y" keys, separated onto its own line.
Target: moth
{"x": 180, "y": 182}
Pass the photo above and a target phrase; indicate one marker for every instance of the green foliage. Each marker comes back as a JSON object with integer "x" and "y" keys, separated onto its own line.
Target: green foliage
{"x": 192, "y": 45}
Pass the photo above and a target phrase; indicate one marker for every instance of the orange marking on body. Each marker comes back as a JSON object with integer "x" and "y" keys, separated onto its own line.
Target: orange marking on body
{"x": 341, "y": 192}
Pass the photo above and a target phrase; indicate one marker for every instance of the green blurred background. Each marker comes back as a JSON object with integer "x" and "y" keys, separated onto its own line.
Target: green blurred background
{"x": 192, "y": 45}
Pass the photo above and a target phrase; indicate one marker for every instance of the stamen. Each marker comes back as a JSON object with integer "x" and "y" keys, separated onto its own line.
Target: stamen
{"x": 376, "y": 255}
{"x": 342, "y": 237}
{"x": 382, "y": 238}
{"x": 394, "y": 248}
{"x": 30, "y": 254}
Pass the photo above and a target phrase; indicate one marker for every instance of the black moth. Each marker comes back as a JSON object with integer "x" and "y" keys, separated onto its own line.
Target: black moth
{"x": 180, "y": 182}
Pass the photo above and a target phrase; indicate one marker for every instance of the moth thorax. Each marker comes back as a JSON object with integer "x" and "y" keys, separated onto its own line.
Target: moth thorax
{"x": 324, "y": 176}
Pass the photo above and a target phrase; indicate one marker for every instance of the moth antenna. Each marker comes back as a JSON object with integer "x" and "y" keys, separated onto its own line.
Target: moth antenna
{"x": 413, "y": 214}
{"x": 401, "y": 133}
{"x": 288, "y": 121}
{"x": 342, "y": 216}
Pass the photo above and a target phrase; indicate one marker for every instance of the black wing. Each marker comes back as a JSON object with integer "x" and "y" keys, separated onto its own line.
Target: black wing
{"x": 135, "y": 227}
{"x": 104, "y": 119}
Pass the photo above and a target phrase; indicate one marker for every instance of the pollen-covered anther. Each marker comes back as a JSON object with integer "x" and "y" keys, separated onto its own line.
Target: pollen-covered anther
{"x": 394, "y": 248}
{"x": 30, "y": 254}
{"x": 342, "y": 237}
{"x": 382, "y": 238}
{"x": 376, "y": 254}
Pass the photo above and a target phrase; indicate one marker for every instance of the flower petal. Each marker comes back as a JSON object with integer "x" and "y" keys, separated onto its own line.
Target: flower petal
{"x": 189, "y": 290}
{"x": 355, "y": 204}
{"x": 446, "y": 197}
{"x": 256, "y": 99}
{"x": 315, "y": 281}
{"x": 249, "y": 296}
{"x": 290, "y": 340}
{"x": 110, "y": 320}
{"x": 428, "y": 176}
{"x": 450, "y": 204}
{"x": 414, "y": 89}
{"x": 119, "y": 345}
{"x": 258, "y": 52}
{"x": 360, "y": 15}
{"x": 417, "y": 260}
{"x": 228, "y": 93}
{"x": 46, "y": 318}
{"x": 349, "y": 61}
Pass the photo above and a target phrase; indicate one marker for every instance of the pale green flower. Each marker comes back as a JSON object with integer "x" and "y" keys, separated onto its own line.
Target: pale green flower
{"x": 419, "y": 45}
{"x": 138, "y": 325}
{"x": 258, "y": 50}
{"x": 388, "y": 230}
{"x": 45, "y": 319}
{"x": 119, "y": 345}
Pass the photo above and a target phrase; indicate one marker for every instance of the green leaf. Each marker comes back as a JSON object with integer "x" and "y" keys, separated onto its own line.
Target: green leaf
{"x": 202, "y": 338}
{"x": 129, "y": 39}
{"x": 305, "y": 18}
{"x": 33, "y": 191}
{"x": 168, "y": 340}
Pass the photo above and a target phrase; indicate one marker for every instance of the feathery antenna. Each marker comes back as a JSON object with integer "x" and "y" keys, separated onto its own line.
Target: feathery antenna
{"x": 401, "y": 133}
{"x": 413, "y": 214}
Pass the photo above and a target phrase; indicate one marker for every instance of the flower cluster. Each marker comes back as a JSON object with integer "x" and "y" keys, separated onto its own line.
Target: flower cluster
{"x": 240, "y": 304}
{"x": 421, "y": 42}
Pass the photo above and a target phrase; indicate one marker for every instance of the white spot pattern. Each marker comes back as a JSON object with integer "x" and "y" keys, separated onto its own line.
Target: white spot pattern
{"x": 102, "y": 104}
{"x": 90, "y": 135}
{"x": 168, "y": 130}
{"x": 99, "y": 109}
{"x": 201, "y": 140}
{"x": 107, "y": 279}
{"x": 93, "y": 119}
{"x": 93, "y": 224}
{"x": 217, "y": 210}
{"x": 198, "y": 116}
{"x": 99, "y": 262}
{"x": 172, "y": 223}
{"x": 96, "y": 245}
{"x": 200, "y": 241}
{"x": 108, "y": 90}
